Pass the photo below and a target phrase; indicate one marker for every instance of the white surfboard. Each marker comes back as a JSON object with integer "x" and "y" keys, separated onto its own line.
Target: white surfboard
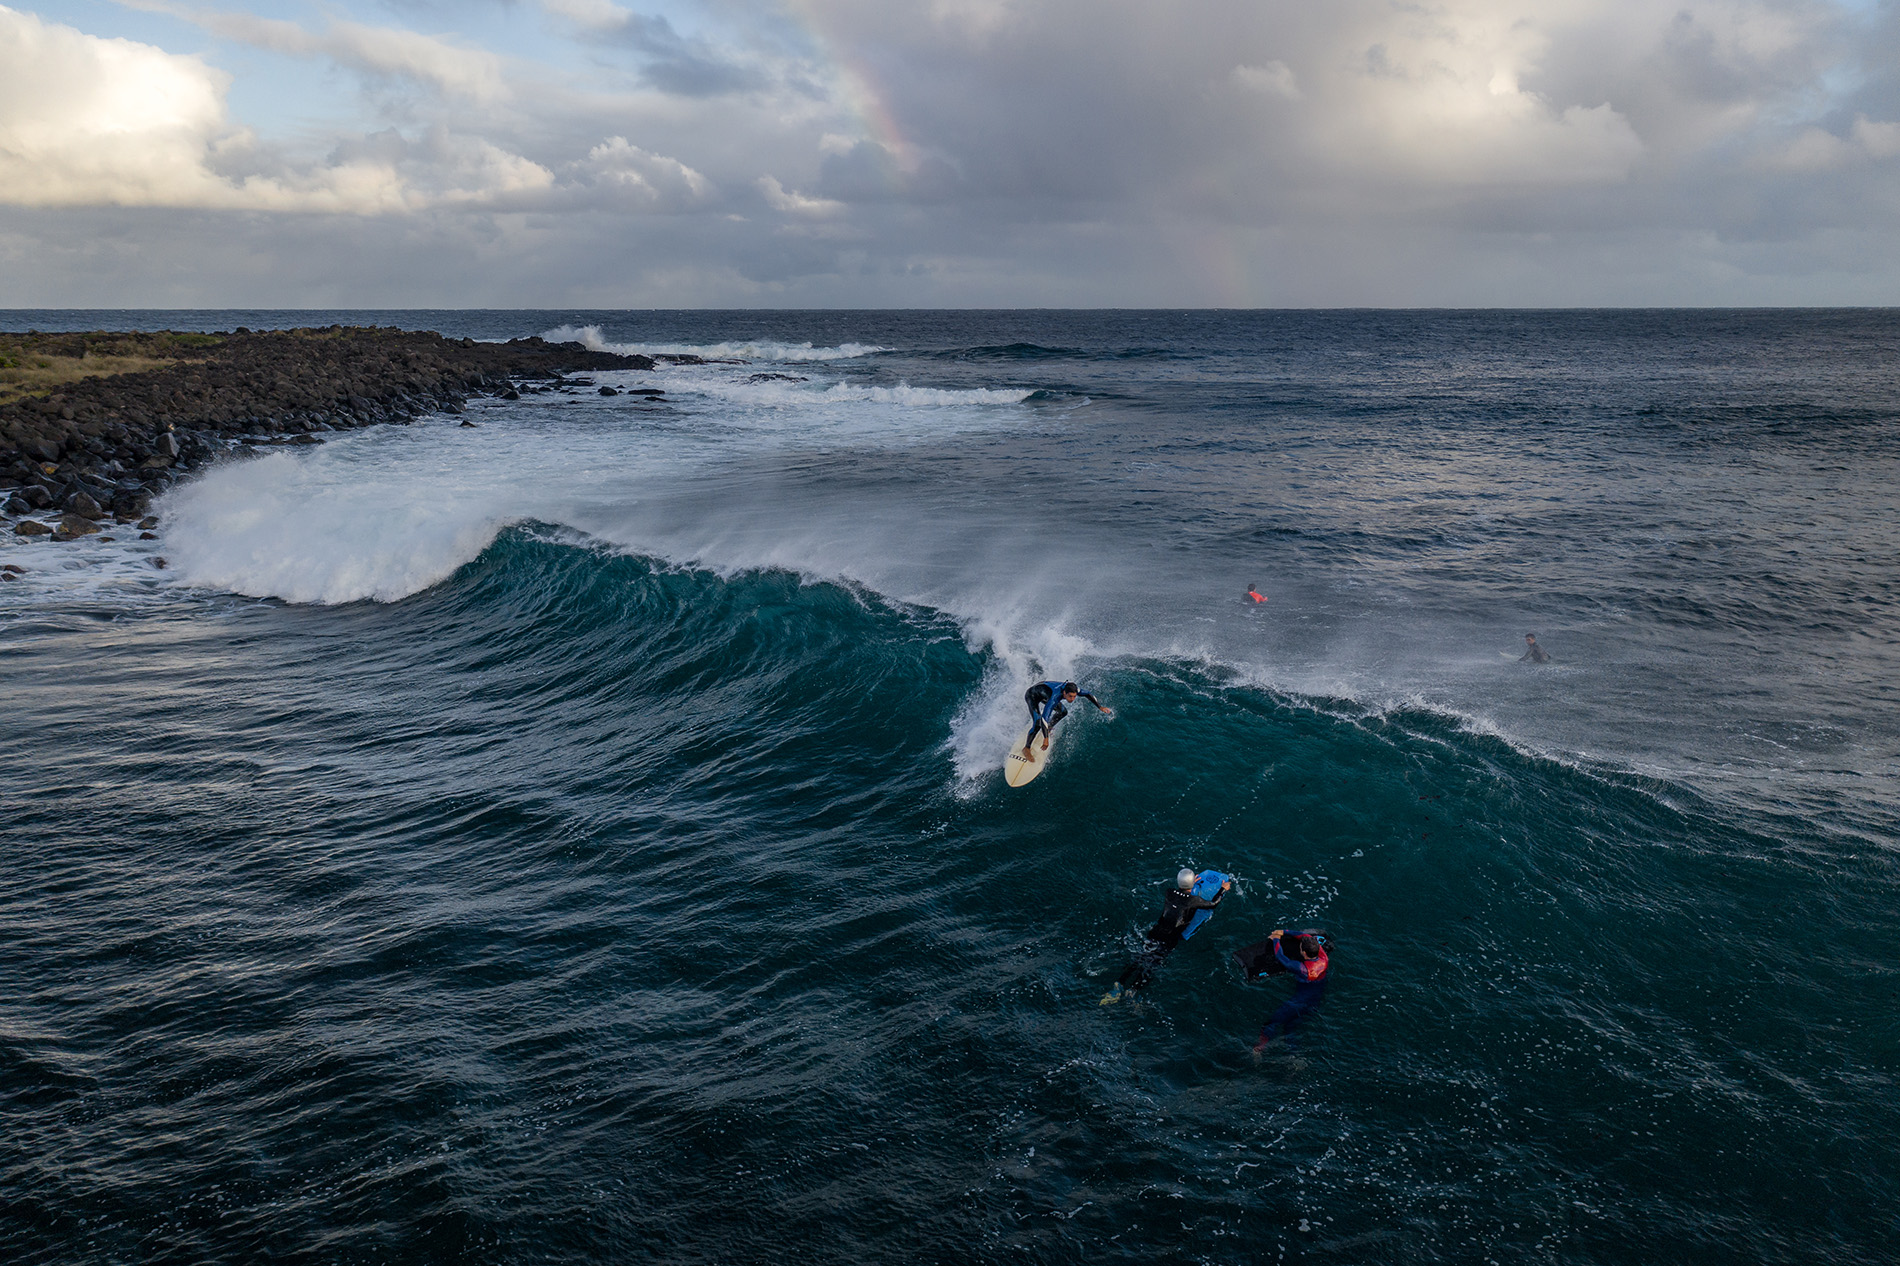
{"x": 1016, "y": 771}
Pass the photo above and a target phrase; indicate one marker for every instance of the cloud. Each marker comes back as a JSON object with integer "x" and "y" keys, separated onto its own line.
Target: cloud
{"x": 86, "y": 120}
{"x": 90, "y": 121}
{"x": 592, "y": 15}
{"x": 641, "y": 179}
{"x": 779, "y": 198}
{"x": 670, "y": 62}
{"x": 1275, "y": 79}
{"x": 378, "y": 51}
{"x": 975, "y": 151}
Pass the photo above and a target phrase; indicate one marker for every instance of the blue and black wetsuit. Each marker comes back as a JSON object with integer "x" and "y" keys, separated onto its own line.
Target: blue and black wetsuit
{"x": 1308, "y": 992}
{"x": 1046, "y": 706}
{"x": 1182, "y": 914}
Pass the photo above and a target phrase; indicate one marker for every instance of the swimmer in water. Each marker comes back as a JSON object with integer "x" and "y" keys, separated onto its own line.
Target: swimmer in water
{"x": 1188, "y": 905}
{"x": 1048, "y": 703}
{"x": 1535, "y": 654}
{"x": 1307, "y": 962}
{"x": 1253, "y": 591}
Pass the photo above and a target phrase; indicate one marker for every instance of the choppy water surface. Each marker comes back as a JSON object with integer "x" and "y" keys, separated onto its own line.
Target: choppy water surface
{"x": 583, "y": 836}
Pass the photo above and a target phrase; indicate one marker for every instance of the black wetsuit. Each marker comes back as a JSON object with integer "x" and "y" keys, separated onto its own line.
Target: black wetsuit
{"x": 1177, "y": 909}
{"x": 1535, "y": 655}
{"x": 1046, "y": 706}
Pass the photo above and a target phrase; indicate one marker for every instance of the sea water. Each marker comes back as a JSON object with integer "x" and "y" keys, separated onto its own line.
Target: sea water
{"x": 582, "y": 835}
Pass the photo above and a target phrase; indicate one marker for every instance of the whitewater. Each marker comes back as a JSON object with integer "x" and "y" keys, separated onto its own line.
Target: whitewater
{"x": 583, "y": 831}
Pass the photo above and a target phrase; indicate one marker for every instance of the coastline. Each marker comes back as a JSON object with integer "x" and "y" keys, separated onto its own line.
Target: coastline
{"x": 82, "y": 445}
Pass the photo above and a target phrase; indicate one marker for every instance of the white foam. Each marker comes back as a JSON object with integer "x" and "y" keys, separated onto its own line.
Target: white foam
{"x": 1024, "y": 650}
{"x": 591, "y": 337}
{"x": 387, "y": 512}
{"x": 317, "y": 527}
{"x": 778, "y": 394}
{"x": 113, "y": 567}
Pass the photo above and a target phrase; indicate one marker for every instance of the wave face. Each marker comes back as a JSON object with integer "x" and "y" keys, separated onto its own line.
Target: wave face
{"x": 584, "y": 832}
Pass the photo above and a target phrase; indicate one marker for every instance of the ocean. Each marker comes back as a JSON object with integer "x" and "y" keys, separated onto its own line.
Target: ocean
{"x": 583, "y": 836}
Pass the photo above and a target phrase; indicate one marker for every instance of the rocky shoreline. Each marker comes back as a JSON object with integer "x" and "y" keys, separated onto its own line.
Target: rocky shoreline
{"x": 80, "y": 447}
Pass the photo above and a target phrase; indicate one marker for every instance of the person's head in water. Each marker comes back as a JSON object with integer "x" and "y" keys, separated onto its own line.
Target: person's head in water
{"x": 1530, "y": 639}
{"x": 1185, "y": 880}
{"x": 1307, "y": 947}
{"x": 1069, "y": 691}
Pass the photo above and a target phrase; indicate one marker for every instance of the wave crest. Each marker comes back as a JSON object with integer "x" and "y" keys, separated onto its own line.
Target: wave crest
{"x": 590, "y": 336}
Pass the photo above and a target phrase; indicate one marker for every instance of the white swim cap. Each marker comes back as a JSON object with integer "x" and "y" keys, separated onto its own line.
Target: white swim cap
{"x": 1185, "y": 879}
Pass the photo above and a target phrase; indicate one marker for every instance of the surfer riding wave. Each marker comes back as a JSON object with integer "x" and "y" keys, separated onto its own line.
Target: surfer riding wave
{"x": 1048, "y": 703}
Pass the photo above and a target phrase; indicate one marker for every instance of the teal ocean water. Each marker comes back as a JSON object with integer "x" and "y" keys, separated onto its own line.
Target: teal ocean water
{"x": 583, "y": 836}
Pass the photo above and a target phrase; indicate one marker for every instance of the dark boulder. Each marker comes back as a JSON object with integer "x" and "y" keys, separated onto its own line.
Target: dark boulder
{"x": 609, "y": 391}
{"x": 31, "y": 527}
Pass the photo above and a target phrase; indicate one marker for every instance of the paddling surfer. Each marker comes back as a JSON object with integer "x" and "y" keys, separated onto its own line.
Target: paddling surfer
{"x": 1534, "y": 654}
{"x": 1254, "y": 594}
{"x": 1305, "y": 958}
{"x": 1188, "y": 904}
{"x": 1048, "y": 703}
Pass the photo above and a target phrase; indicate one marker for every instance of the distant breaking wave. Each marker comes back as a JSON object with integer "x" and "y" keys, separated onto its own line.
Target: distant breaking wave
{"x": 788, "y": 393}
{"x": 591, "y": 337}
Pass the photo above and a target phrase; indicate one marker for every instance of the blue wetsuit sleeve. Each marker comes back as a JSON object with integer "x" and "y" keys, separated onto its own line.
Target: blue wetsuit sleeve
{"x": 1091, "y": 698}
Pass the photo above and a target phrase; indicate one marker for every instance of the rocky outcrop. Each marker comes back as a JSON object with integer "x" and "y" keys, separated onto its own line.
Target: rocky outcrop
{"x": 100, "y": 447}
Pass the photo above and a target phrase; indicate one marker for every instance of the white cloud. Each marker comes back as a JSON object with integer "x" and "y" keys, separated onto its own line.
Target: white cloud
{"x": 383, "y": 51}
{"x": 643, "y": 179}
{"x": 91, "y": 120}
{"x": 88, "y": 121}
{"x": 779, "y": 198}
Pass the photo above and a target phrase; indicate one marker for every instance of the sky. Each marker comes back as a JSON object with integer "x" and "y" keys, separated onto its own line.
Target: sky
{"x": 949, "y": 153}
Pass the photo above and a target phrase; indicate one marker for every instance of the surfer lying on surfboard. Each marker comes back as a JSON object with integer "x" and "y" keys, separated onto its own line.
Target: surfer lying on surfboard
{"x": 1188, "y": 904}
{"x": 1048, "y": 703}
